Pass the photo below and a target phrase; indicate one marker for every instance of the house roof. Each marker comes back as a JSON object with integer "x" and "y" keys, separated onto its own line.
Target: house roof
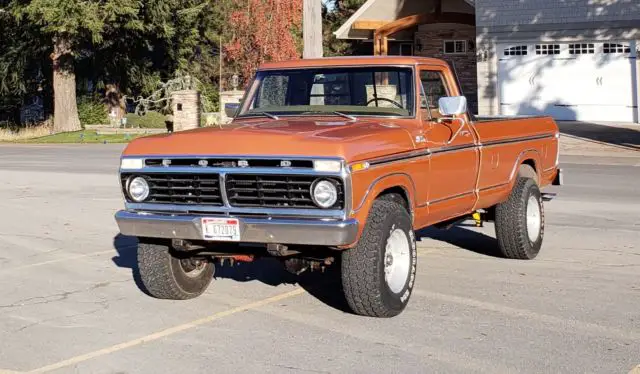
{"x": 391, "y": 10}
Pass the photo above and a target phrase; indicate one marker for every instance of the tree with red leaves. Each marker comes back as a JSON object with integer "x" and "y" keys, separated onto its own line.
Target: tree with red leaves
{"x": 264, "y": 30}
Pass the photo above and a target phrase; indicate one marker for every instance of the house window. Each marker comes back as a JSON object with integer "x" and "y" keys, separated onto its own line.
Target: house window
{"x": 615, "y": 48}
{"x": 406, "y": 49}
{"x": 582, "y": 49}
{"x": 518, "y": 50}
{"x": 547, "y": 49}
{"x": 453, "y": 47}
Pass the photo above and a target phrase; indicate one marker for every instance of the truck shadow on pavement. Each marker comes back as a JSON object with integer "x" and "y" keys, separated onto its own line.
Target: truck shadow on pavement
{"x": 464, "y": 238}
{"x": 324, "y": 286}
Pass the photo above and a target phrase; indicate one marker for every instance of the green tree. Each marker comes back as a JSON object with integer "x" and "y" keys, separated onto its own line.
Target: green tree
{"x": 68, "y": 26}
{"x": 334, "y": 14}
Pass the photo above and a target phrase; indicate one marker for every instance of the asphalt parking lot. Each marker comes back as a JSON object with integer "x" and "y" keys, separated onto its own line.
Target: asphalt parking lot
{"x": 70, "y": 301}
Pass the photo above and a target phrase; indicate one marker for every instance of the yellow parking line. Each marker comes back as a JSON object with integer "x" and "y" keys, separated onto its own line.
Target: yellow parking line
{"x": 66, "y": 258}
{"x": 166, "y": 332}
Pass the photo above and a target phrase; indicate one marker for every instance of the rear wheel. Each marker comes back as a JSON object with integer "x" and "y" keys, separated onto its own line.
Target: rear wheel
{"x": 168, "y": 275}
{"x": 379, "y": 272}
{"x": 520, "y": 221}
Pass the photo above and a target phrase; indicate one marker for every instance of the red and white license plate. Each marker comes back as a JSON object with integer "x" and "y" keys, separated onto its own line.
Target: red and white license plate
{"x": 221, "y": 229}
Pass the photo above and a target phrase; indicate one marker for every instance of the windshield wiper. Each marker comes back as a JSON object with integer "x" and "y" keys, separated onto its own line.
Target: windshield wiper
{"x": 267, "y": 114}
{"x": 353, "y": 118}
{"x": 347, "y": 116}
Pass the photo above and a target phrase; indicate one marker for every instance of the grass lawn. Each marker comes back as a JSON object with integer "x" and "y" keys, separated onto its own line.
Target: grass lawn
{"x": 84, "y": 136}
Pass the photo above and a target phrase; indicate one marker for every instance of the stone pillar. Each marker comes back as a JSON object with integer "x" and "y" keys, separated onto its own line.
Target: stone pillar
{"x": 185, "y": 106}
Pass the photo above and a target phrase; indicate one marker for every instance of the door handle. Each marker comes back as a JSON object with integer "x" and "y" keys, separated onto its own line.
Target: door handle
{"x": 465, "y": 133}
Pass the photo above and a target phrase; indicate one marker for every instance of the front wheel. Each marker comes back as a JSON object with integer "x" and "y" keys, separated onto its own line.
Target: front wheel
{"x": 520, "y": 221}
{"x": 379, "y": 272}
{"x": 167, "y": 275}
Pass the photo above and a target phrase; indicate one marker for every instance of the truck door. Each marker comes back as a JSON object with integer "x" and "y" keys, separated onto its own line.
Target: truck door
{"x": 452, "y": 143}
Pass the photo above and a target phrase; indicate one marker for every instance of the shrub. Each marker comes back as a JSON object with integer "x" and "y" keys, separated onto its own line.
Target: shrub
{"x": 12, "y": 133}
{"x": 91, "y": 111}
{"x": 150, "y": 120}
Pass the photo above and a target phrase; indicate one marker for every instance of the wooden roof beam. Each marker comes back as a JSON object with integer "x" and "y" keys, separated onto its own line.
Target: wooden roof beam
{"x": 369, "y": 24}
{"x": 382, "y": 33}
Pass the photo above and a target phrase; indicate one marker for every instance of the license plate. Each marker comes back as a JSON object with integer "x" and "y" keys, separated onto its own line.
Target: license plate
{"x": 221, "y": 229}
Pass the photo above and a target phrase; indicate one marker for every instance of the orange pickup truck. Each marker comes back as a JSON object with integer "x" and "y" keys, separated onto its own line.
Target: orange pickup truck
{"x": 335, "y": 160}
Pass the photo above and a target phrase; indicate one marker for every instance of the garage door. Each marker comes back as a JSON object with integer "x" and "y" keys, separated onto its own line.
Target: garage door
{"x": 569, "y": 81}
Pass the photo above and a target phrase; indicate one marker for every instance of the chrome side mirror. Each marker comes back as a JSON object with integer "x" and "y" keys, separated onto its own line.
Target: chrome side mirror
{"x": 452, "y": 105}
{"x": 231, "y": 109}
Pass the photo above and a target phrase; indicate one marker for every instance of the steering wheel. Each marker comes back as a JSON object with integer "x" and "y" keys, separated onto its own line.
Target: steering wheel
{"x": 385, "y": 99}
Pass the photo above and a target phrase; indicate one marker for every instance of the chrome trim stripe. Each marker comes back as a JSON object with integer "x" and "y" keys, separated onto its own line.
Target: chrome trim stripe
{"x": 454, "y": 148}
{"x": 399, "y": 157}
{"x": 428, "y": 152}
{"x": 494, "y": 186}
{"x": 517, "y": 140}
{"x": 442, "y": 200}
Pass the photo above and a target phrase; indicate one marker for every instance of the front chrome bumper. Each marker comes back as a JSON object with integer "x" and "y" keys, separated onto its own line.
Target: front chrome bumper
{"x": 252, "y": 230}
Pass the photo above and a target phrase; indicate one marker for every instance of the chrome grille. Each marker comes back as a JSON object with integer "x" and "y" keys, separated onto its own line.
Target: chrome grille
{"x": 169, "y": 188}
{"x": 242, "y": 190}
{"x": 274, "y": 191}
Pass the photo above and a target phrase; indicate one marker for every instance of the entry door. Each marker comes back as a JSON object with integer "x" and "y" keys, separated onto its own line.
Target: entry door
{"x": 454, "y": 166}
{"x": 569, "y": 81}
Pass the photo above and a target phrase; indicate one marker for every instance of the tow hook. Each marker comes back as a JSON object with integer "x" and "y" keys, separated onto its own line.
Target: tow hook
{"x": 279, "y": 250}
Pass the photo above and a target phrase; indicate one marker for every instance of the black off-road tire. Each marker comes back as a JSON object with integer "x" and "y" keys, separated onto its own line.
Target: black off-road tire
{"x": 511, "y": 222}
{"x": 363, "y": 277}
{"x": 165, "y": 277}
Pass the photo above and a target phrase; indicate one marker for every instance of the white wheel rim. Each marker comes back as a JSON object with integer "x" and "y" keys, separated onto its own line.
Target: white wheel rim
{"x": 397, "y": 260}
{"x": 534, "y": 219}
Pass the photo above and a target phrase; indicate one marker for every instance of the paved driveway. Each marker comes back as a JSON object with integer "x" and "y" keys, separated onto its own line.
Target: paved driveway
{"x": 69, "y": 300}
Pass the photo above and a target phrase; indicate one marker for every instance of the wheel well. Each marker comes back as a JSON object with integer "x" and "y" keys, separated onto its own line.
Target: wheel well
{"x": 531, "y": 163}
{"x": 391, "y": 194}
{"x": 525, "y": 172}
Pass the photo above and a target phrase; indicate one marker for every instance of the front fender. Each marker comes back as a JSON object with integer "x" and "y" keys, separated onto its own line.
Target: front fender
{"x": 367, "y": 187}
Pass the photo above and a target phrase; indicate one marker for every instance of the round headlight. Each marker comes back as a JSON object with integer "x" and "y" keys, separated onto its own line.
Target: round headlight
{"x": 138, "y": 189}
{"x": 324, "y": 193}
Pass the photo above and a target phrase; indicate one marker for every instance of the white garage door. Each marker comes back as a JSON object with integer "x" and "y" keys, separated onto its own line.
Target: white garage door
{"x": 569, "y": 81}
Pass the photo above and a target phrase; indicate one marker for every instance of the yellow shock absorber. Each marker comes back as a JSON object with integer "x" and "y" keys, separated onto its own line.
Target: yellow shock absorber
{"x": 478, "y": 219}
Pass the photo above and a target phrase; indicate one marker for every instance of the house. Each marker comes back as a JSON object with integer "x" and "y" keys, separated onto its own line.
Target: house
{"x": 571, "y": 59}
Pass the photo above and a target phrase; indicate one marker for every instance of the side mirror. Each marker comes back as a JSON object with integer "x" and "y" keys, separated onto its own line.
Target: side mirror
{"x": 452, "y": 105}
{"x": 231, "y": 109}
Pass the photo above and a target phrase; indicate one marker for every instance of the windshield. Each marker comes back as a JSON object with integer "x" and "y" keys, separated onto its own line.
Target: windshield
{"x": 370, "y": 91}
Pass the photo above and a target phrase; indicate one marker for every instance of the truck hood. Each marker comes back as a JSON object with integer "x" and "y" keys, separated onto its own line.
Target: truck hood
{"x": 352, "y": 141}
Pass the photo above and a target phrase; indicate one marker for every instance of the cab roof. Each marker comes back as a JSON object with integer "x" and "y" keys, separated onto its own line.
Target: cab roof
{"x": 352, "y": 61}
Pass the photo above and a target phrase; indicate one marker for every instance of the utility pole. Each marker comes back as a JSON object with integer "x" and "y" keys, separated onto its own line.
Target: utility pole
{"x": 312, "y": 28}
